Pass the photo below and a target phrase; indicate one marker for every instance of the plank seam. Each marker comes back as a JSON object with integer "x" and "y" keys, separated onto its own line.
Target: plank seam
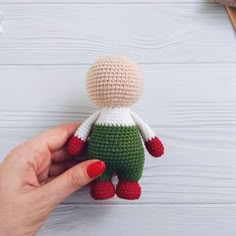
{"x": 106, "y": 3}
{"x": 140, "y": 63}
{"x": 149, "y": 203}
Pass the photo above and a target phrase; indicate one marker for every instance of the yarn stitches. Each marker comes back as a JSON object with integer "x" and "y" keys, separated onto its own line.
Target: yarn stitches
{"x": 114, "y": 83}
{"x": 115, "y": 116}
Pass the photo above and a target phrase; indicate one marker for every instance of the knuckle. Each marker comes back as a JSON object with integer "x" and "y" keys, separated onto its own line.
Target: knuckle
{"x": 75, "y": 180}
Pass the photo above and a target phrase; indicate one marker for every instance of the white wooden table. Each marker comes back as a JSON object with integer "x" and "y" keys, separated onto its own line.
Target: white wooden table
{"x": 187, "y": 49}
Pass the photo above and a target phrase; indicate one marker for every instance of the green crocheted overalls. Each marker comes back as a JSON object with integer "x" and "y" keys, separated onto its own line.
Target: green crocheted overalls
{"x": 121, "y": 148}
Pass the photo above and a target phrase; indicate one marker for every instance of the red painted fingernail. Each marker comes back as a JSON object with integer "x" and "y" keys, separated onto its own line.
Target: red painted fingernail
{"x": 95, "y": 169}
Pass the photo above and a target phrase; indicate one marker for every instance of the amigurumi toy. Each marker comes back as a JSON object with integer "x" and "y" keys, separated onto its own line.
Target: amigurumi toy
{"x": 114, "y": 83}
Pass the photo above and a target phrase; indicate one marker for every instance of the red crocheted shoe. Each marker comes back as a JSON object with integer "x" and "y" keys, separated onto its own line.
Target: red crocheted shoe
{"x": 155, "y": 147}
{"x": 75, "y": 146}
{"x": 102, "y": 190}
{"x": 128, "y": 190}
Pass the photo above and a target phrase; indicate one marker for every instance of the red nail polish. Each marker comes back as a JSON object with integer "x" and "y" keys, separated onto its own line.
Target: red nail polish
{"x": 95, "y": 169}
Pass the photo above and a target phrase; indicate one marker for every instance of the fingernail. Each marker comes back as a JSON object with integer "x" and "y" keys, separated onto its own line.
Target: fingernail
{"x": 95, "y": 169}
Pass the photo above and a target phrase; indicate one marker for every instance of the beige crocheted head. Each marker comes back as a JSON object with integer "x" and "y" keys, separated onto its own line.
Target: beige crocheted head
{"x": 114, "y": 81}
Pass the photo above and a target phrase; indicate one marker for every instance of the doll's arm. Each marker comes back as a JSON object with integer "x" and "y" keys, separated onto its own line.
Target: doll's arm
{"x": 152, "y": 142}
{"x": 76, "y": 143}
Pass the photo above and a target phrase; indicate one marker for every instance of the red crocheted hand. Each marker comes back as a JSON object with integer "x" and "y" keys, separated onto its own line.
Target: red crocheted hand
{"x": 155, "y": 147}
{"x": 75, "y": 146}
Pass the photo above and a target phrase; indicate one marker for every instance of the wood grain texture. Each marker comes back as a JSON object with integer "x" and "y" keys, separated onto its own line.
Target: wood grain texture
{"x": 187, "y": 52}
{"x": 78, "y": 34}
{"x": 186, "y": 96}
{"x": 142, "y": 220}
{"x": 197, "y": 127}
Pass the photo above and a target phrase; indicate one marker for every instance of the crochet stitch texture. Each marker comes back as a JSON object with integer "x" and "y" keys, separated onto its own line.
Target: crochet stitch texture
{"x": 121, "y": 148}
{"x": 114, "y": 83}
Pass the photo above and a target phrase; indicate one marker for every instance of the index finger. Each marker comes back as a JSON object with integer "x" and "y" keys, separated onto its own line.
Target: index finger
{"x": 54, "y": 139}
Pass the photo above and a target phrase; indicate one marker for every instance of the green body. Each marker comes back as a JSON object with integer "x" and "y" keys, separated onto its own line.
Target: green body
{"x": 121, "y": 148}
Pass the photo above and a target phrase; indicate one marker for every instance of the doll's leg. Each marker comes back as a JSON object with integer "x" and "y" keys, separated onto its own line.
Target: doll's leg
{"x": 102, "y": 188}
{"x": 128, "y": 186}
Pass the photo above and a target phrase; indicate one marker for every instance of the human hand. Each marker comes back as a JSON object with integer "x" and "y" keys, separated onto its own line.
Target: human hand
{"x": 38, "y": 175}
{"x": 231, "y": 3}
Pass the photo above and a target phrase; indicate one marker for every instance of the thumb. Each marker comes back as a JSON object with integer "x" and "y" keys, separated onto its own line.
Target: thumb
{"x": 71, "y": 180}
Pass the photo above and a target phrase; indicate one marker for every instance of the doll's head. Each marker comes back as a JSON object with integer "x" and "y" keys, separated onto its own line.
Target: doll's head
{"x": 114, "y": 81}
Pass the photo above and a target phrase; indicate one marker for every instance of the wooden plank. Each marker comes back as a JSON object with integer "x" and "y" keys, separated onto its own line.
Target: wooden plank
{"x": 162, "y": 220}
{"x": 193, "y": 170}
{"x": 194, "y": 114}
{"x": 106, "y": 1}
{"x": 186, "y": 96}
{"x": 232, "y": 14}
{"x": 156, "y": 33}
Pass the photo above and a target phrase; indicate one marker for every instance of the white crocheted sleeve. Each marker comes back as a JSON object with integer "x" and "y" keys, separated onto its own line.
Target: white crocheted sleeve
{"x": 83, "y": 131}
{"x": 145, "y": 130}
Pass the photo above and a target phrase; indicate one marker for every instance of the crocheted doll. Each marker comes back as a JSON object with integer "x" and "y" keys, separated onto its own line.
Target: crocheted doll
{"x": 114, "y": 83}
